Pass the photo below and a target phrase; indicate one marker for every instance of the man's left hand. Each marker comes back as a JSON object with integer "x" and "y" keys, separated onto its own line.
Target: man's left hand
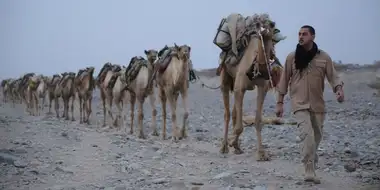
{"x": 339, "y": 94}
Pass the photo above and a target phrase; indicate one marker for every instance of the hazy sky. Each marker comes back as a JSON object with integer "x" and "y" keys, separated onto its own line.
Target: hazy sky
{"x": 51, "y": 36}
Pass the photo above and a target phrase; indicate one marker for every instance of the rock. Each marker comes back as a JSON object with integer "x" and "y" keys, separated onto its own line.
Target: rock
{"x": 160, "y": 181}
{"x": 7, "y": 158}
{"x": 20, "y": 164}
{"x": 350, "y": 167}
{"x": 223, "y": 175}
{"x": 65, "y": 170}
{"x": 64, "y": 134}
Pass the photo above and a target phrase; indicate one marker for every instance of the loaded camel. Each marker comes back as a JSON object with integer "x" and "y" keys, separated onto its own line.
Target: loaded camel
{"x": 85, "y": 85}
{"x": 41, "y": 91}
{"x": 136, "y": 79}
{"x": 52, "y": 85}
{"x": 171, "y": 79}
{"x": 237, "y": 78}
{"x": 106, "y": 90}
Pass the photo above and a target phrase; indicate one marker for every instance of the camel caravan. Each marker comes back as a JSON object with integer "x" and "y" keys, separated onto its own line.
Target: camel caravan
{"x": 247, "y": 61}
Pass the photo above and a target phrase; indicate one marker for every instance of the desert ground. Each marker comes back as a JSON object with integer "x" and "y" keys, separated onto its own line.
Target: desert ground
{"x": 43, "y": 152}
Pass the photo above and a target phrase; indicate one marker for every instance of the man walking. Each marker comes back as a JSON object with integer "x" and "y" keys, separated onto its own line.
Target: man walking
{"x": 304, "y": 72}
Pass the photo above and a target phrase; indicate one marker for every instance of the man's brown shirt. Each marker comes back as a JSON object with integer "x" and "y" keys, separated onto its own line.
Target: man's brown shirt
{"x": 307, "y": 87}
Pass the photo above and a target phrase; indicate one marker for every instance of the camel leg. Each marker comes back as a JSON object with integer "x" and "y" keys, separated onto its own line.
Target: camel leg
{"x": 152, "y": 101}
{"x": 89, "y": 109}
{"x": 72, "y": 107}
{"x": 66, "y": 107}
{"x": 186, "y": 109}
{"x": 56, "y": 106}
{"x": 109, "y": 99}
{"x": 261, "y": 154}
{"x": 132, "y": 114}
{"x": 119, "y": 112}
{"x": 140, "y": 113}
{"x": 102, "y": 95}
{"x": 36, "y": 103}
{"x": 43, "y": 102}
{"x": 238, "y": 104}
{"x": 163, "y": 105}
{"x": 172, "y": 97}
{"x": 226, "y": 102}
{"x": 81, "y": 103}
{"x": 50, "y": 101}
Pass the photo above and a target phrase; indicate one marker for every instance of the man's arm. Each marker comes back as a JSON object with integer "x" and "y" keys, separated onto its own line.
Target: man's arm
{"x": 285, "y": 78}
{"x": 332, "y": 76}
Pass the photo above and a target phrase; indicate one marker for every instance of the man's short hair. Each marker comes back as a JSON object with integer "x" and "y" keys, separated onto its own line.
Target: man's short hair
{"x": 311, "y": 29}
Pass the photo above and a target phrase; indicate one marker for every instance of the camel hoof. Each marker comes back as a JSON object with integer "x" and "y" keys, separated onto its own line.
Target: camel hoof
{"x": 238, "y": 151}
{"x": 183, "y": 133}
{"x": 155, "y": 133}
{"x": 163, "y": 137}
{"x": 141, "y": 136}
{"x": 72, "y": 119}
{"x": 175, "y": 139}
{"x": 261, "y": 155}
{"x": 224, "y": 149}
{"x": 80, "y": 122}
{"x": 313, "y": 179}
{"x": 131, "y": 132}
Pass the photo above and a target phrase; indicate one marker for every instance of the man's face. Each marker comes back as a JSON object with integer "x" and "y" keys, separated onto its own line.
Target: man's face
{"x": 304, "y": 37}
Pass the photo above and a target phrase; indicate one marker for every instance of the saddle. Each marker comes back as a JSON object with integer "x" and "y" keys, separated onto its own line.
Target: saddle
{"x": 135, "y": 64}
{"x": 33, "y": 84}
{"x": 164, "y": 59}
{"x": 112, "y": 81}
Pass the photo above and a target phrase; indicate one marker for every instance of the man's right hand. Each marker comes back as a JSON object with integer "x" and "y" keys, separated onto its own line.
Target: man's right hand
{"x": 279, "y": 109}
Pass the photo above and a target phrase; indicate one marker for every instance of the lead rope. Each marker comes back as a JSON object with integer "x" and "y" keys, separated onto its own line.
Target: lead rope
{"x": 268, "y": 66}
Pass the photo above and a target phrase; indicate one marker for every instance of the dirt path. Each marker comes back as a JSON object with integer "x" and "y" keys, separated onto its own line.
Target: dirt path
{"x": 46, "y": 153}
{"x": 52, "y": 154}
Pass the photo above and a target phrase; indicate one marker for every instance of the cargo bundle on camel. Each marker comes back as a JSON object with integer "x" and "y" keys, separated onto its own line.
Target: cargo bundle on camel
{"x": 247, "y": 45}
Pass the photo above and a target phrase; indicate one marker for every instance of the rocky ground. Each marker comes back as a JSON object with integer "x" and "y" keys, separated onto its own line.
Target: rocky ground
{"x": 46, "y": 153}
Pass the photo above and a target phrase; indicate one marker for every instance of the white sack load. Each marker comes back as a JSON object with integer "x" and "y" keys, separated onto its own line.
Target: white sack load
{"x": 230, "y": 29}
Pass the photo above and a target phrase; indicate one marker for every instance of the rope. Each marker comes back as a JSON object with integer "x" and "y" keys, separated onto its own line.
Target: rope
{"x": 194, "y": 78}
{"x": 268, "y": 65}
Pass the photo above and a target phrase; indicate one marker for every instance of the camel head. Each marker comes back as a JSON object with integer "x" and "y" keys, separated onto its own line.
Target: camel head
{"x": 261, "y": 24}
{"x": 184, "y": 52}
{"x": 71, "y": 74}
{"x": 64, "y": 74}
{"x": 151, "y": 55}
{"x": 116, "y": 68}
{"x": 90, "y": 69}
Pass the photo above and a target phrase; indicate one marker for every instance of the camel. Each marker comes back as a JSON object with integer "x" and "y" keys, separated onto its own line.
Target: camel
{"x": 84, "y": 83}
{"x": 5, "y": 88}
{"x": 14, "y": 92}
{"x": 172, "y": 80}
{"x": 41, "y": 91}
{"x": 32, "y": 97}
{"x": 24, "y": 91}
{"x": 103, "y": 82}
{"x": 67, "y": 89}
{"x": 136, "y": 79}
{"x": 52, "y": 86}
{"x": 238, "y": 78}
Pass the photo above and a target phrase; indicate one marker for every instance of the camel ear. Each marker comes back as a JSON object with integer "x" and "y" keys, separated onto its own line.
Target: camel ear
{"x": 146, "y": 52}
{"x": 189, "y": 49}
{"x": 175, "y": 45}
